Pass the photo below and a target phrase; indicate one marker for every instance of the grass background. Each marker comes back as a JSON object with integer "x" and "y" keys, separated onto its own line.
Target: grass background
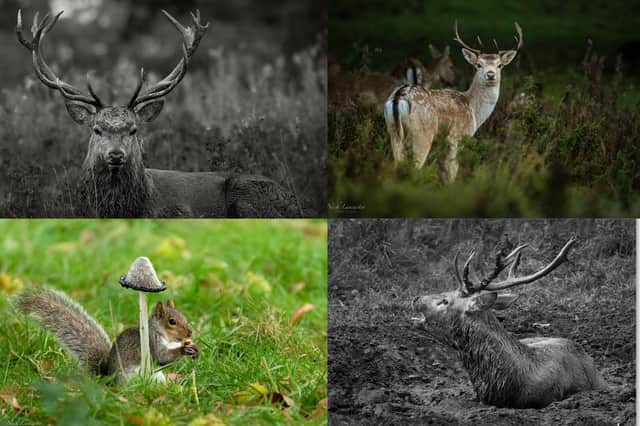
{"x": 253, "y": 100}
{"x": 383, "y": 369}
{"x": 571, "y": 153}
{"x": 237, "y": 282}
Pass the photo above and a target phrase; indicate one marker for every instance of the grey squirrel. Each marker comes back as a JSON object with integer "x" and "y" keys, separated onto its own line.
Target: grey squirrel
{"x": 80, "y": 334}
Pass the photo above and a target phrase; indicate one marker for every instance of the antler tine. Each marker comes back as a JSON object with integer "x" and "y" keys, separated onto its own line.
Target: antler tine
{"x": 514, "y": 266}
{"x": 479, "y": 41}
{"x": 468, "y": 285}
{"x": 518, "y": 38}
{"x": 191, "y": 36}
{"x": 514, "y": 281}
{"x": 459, "y": 40}
{"x": 457, "y": 271}
{"x": 39, "y": 29}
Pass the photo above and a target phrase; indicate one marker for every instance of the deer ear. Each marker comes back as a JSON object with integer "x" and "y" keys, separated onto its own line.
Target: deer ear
{"x": 482, "y": 301}
{"x": 148, "y": 111}
{"x": 507, "y": 57}
{"x": 80, "y": 112}
{"x": 504, "y": 301}
{"x": 446, "y": 52}
{"x": 435, "y": 53}
{"x": 470, "y": 56}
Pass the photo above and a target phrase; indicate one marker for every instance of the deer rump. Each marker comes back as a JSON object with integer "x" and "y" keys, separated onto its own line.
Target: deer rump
{"x": 526, "y": 373}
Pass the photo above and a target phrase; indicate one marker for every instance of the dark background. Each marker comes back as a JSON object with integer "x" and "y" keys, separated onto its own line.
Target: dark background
{"x": 253, "y": 100}
{"x": 382, "y": 369}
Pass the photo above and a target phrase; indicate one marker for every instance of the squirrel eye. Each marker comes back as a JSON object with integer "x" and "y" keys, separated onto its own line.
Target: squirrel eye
{"x": 172, "y": 321}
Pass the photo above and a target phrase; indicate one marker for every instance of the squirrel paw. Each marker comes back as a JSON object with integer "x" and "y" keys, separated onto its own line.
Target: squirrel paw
{"x": 191, "y": 349}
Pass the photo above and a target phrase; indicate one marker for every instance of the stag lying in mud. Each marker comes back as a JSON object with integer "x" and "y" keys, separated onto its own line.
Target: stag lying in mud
{"x": 505, "y": 371}
{"x": 116, "y": 183}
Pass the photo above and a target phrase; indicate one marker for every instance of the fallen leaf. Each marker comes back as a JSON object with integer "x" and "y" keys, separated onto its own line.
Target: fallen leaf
{"x": 277, "y": 397}
{"x": 9, "y": 284}
{"x": 8, "y": 395}
{"x": 300, "y": 312}
{"x": 174, "y": 377}
{"x": 87, "y": 236}
{"x": 63, "y": 247}
{"x": 321, "y": 409}
{"x": 46, "y": 364}
{"x": 136, "y": 420}
{"x": 298, "y": 287}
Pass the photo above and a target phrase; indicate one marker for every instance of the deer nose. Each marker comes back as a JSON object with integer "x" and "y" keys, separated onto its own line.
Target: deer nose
{"x": 491, "y": 75}
{"x": 116, "y": 156}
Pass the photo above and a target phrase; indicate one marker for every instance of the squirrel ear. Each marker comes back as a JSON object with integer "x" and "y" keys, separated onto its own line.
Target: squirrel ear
{"x": 159, "y": 309}
{"x": 170, "y": 303}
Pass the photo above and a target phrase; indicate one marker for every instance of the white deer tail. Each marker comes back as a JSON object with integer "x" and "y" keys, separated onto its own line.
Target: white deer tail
{"x": 395, "y": 107}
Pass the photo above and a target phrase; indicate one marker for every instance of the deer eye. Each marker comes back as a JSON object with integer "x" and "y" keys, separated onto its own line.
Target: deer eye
{"x": 478, "y": 66}
{"x": 133, "y": 131}
{"x": 443, "y": 302}
{"x": 172, "y": 321}
{"x": 97, "y": 131}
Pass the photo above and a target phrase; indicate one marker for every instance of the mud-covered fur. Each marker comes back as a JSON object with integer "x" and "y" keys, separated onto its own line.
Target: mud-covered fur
{"x": 505, "y": 371}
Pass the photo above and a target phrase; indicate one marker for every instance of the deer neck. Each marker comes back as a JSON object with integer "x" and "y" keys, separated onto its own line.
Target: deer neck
{"x": 127, "y": 193}
{"x": 495, "y": 360}
{"x": 482, "y": 99}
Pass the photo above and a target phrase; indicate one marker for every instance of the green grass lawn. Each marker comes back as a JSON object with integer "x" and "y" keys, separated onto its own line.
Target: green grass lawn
{"x": 238, "y": 283}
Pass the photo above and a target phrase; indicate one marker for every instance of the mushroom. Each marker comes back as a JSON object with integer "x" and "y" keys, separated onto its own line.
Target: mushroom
{"x": 143, "y": 278}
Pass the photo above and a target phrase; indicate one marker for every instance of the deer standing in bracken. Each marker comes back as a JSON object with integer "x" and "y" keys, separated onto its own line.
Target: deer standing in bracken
{"x": 116, "y": 183}
{"x": 372, "y": 89}
{"x": 505, "y": 371}
{"x": 414, "y": 114}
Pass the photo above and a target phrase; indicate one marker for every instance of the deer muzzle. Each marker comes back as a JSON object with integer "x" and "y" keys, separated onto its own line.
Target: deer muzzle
{"x": 115, "y": 159}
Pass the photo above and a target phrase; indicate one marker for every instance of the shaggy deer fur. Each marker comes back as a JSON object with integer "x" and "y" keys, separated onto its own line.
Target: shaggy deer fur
{"x": 116, "y": 183}
{"x": 505, "y": 371}
{"x": 414, "y": 114}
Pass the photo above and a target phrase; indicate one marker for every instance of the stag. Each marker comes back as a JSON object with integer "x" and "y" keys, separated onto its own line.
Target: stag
{"x": 115, "y": 182}
{"x": 414, "y": 114}
{"x": 505, "y": 371}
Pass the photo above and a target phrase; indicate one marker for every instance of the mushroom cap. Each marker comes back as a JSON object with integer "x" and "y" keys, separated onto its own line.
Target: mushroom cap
{"x": 142, "y": 277}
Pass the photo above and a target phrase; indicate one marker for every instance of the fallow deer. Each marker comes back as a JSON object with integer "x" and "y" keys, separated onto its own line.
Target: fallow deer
{"x": 372, "y": 89}
{"x": 413, "y": 71}
{"x": 116, "y": 183}
{"x": 414, "y": 114}
{"x": 505, "y": 371}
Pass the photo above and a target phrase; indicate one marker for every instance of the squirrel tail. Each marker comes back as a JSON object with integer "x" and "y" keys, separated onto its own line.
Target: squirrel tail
{"x": 72, "y": 326}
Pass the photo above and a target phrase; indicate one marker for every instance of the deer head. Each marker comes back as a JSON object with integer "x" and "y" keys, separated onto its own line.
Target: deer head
{"x": 113, "y": 143}
{"x": 443, "y": 68}
{"x": 489, "y": 65}
{"x": 471, "y": 299}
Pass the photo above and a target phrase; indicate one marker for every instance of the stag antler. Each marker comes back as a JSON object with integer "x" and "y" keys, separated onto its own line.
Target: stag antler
{"x": 519, "y": 41}
{"x": 43, "y": 71}
{"x": 191, "y": 39}
{"x": 466, "y": 287}
{"x": 462, "y": 43}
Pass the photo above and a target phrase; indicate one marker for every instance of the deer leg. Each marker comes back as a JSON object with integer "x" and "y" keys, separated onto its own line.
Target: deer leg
{"x": 397, "y": 144}
{"x": 451, "y": 161}
{"x": 422, "y": 146}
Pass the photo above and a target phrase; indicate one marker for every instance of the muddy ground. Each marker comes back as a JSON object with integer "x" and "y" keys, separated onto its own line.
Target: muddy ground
{"x": 394, "y": 374}
{"x": 383, "y": 370}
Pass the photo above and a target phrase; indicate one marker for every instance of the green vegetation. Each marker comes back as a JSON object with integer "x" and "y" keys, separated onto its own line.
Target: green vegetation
{"x": 239, "y": 283}
{"x": 570, "y": 151}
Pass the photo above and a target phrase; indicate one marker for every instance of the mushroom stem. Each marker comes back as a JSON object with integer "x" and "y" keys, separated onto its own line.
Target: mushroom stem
{"x": 145, "y": 352}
